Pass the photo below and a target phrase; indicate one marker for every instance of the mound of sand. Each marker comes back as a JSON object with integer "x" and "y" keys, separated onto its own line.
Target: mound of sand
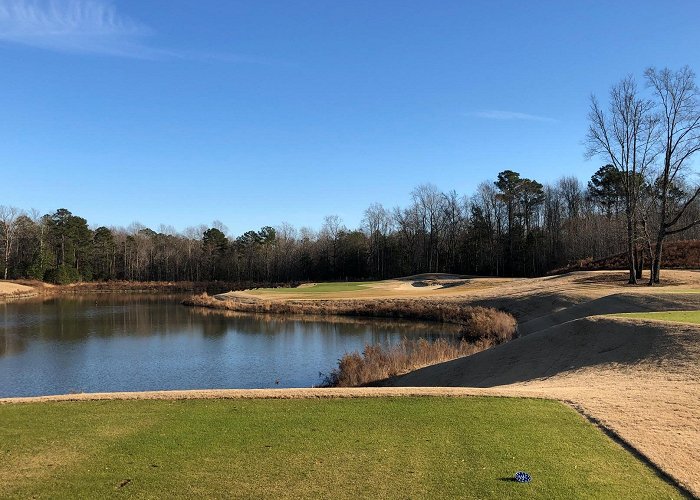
{"x": 8, "y": 288}
{"x": 640, "y": 379}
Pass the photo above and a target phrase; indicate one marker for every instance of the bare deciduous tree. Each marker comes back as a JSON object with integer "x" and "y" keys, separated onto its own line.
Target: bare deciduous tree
{"x": 377, "y": 223}
{"x": 8, "y": 232}
{"x": 626, "y": 135}
{"x": 679, "y": 119}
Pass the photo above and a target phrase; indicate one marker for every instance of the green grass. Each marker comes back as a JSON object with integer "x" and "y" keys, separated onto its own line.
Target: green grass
{"x": 337, "y": 448}
{"x": 676, "y": 316}
{"x": 344, "y": 286}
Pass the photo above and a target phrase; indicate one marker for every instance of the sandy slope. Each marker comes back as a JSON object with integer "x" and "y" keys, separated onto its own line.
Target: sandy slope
{"x": 650, "y": 300}
{"x": 641, "y": 379}
{"x": 8, "y": 288}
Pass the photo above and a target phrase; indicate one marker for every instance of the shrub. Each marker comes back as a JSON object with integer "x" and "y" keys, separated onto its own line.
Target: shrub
{"x": 62, "y": 275}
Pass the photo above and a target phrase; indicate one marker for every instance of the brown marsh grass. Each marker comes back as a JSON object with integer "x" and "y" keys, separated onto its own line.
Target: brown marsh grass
{"x": 479, "y": 329}
{"x": 476, "y": 322}
{"x": 380, "y": 362}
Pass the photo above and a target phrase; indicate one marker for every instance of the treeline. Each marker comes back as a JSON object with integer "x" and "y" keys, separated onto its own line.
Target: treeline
{"x": 651, "y": 138}
{"x": 511, "y": 226}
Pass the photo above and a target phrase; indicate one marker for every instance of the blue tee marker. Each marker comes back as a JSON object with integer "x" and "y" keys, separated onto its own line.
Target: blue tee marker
{"x": 522, "y": 477}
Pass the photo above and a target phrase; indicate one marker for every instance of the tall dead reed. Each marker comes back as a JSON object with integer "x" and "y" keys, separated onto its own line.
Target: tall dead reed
{"x": 380, "y": 362}
{"x": 475, "y": 322}
{"x": 479, "y": 329}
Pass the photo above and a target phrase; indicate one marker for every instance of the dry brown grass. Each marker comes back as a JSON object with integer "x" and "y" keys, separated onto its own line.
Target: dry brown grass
{"x": 153, "y": 286}
{"x": 10, "y": 290}
{"x": 476, "y": 322}
{"x": 31, "y": 288}
{"x": 479, "y": 329}
{"x": 380, "y": 362}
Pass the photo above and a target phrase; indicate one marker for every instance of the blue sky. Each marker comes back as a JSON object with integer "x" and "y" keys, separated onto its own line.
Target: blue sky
{"x": 259, "y": 112}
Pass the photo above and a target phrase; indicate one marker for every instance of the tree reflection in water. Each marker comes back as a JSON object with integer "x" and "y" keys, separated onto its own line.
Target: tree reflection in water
{"x": 101, "y": 342}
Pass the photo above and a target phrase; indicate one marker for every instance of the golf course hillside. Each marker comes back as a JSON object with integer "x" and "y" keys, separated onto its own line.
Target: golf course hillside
{"x": 421, "y": 285}
{"x": 684, "y": 254}
{"x": 637, "y": 374}
{"x": 536, "y": 303}
{"x": 628, "y": 357}
{"x": 570, "y": 288}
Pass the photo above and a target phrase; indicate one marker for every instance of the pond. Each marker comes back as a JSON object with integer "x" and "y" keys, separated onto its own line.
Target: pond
{"x": 130, "y": 342}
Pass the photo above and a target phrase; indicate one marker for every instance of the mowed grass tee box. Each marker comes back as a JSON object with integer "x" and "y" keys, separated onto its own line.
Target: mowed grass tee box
{"x": 427, "y": 447}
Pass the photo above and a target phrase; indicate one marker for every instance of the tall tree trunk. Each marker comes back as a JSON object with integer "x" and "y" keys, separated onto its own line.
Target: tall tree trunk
{"x": 655, "y": 276}
{"x": 630, "y": 249}
{"x": 7, "y": 253}
{"x": 640, "y": 263}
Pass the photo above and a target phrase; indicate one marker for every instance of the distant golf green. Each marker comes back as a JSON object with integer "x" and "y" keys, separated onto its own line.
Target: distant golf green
{"x": 342, "y": 286}
{"x": 676, "y": 316}
{"x": 336, "y": 448}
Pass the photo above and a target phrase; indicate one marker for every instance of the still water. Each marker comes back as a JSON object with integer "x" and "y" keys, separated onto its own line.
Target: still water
{"x": 118, "y": 342}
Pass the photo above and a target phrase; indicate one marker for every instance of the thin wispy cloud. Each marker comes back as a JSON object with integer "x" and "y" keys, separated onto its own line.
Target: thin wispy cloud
{"x": 511, "y": 115}
{"x": 85, "y": 26}
{"x": 91, "y": 27}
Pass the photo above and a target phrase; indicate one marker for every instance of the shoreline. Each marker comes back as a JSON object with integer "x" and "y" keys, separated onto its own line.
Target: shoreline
{"x": 477, "y": 329}
{"x": 26, "y": 289}
{"x": 428, "y": 309}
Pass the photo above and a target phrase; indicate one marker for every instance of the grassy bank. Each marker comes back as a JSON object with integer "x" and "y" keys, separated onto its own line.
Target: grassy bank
{"x": 154, "y": 286}
{"x": 366, "y": 448}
